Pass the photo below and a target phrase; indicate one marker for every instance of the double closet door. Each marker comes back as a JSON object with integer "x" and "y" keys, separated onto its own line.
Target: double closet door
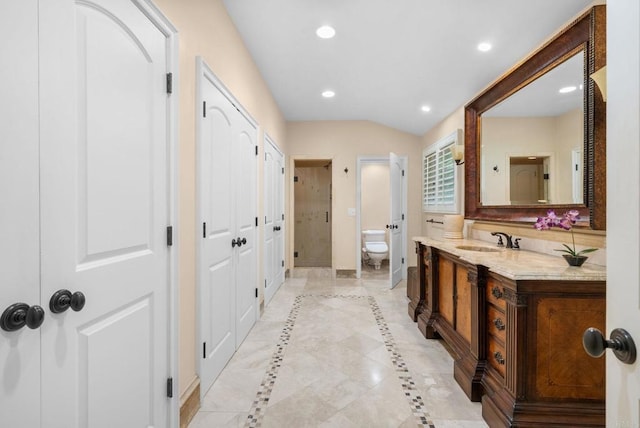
{"x": 227, "y": 217}
{"x": 84, "y": 185}
{"x": 273, "y": 219}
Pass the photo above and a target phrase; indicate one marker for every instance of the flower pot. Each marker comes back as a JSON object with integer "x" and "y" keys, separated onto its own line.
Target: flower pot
{"x": 575, "y": 260}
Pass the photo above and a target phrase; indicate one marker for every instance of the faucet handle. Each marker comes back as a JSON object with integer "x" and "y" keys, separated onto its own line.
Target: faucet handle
{"x": 516, "y": 246}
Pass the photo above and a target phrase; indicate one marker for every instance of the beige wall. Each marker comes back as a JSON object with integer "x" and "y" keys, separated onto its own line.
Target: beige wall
{"x": 205, "y": 29}
{"x": 343, "y": 142}
{"x": 375, "y": 195}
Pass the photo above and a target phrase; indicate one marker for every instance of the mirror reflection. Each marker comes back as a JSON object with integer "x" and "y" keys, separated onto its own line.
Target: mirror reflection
{"x": 532, "y": 143}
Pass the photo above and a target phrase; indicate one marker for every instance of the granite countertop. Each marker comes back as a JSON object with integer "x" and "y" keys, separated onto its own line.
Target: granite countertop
{"x": 517, "y": 264}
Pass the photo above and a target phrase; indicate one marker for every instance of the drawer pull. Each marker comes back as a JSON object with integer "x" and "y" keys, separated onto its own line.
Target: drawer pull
{"x": 499, "y": 324}
{"x": 499, "y": 358}
{"x": 496, "y": 292}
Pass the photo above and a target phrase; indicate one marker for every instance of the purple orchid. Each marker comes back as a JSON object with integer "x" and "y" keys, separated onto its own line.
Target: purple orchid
{"x": 566, "y": 222}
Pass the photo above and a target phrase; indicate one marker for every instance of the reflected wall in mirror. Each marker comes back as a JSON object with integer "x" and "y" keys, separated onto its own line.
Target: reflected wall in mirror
{"x": 535, "y": 139}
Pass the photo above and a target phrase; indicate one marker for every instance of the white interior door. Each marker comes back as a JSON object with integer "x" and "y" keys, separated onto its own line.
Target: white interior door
{"x": 274, "y": 214}
{"x": 216, "y": 289}
{"x": 227, "y": 271}
{"x": 279, "y": 219}
{"x": 623, "y": 206}
{"x": 244, "y": 168}
{"x": 104, "y": 213}
{"x": 19, "y": 216}
{"x": 396, "y": 173}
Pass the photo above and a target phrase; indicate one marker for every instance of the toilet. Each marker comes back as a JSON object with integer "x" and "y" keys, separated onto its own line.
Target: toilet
{"x": 375, "y": 248}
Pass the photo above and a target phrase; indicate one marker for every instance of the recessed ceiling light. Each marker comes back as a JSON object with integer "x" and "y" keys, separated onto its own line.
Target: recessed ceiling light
{"x": 425, "y": 109}
{"x": 567, "y": 89}
{"x": 532, "y": 158}
{"x": 328, "y": 94}
{"x": 326, "y": 32}
{"x": 484, "y": 47}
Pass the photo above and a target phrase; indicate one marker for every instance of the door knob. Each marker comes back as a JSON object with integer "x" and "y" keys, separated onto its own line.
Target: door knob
{"x": 244, "y": 240}
{"x": 18, "y": 315}
{"x": 239, "y": 241}
{"x": 388, "y": 226}
{"x": 234, "y": 243}
{"x": 63, "y": 300}
{"x": 620, "y": 342}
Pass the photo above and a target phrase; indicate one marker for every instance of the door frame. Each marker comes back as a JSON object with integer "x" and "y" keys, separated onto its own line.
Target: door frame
{"x": 291, "y": 211}
{"x": 167, "y": 28}
{"x": 364, "y": 159}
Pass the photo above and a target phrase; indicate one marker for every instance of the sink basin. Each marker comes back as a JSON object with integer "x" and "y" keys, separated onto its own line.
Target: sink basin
{"x": 478, "y": 248}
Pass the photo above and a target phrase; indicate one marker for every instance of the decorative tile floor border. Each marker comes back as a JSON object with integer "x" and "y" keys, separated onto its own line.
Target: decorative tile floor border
{"x": 257, "y": 412}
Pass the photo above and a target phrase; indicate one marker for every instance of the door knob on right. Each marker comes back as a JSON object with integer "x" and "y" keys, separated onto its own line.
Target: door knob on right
{"x": 620, "y": 342}
{"x": 63, "y": 300}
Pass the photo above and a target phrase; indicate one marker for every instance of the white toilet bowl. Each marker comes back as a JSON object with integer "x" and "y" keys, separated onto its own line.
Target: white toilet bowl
{"x": 375, "y": 249}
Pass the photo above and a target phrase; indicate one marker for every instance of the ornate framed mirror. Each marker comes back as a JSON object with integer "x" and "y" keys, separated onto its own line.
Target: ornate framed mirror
{"x": 536, "y": 138}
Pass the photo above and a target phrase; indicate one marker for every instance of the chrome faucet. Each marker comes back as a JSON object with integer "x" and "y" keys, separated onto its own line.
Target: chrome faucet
{"x": 506, "y": 236}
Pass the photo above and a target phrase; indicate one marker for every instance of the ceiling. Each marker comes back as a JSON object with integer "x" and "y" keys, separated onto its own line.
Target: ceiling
{"x": 390, "y": 57}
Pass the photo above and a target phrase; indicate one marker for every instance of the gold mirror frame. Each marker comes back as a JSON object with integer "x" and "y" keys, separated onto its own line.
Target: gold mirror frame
{"x": 588, "y": 32}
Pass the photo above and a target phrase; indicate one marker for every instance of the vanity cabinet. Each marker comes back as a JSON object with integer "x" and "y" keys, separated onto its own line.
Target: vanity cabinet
{"x": 537, "y": 372}
{"x": 452, "y": 310}
{"x": 517, "y": 343}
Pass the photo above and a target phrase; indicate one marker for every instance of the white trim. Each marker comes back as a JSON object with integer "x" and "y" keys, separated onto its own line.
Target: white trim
{"x": 171, "y": 33}
{"x": 380, "y": 159}
{"x": 456, "y": 139}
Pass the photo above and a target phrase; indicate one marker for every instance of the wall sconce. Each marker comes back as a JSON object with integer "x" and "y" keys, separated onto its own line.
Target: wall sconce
{"x": 457, "y": 153}
{"x": 600, "y": 77}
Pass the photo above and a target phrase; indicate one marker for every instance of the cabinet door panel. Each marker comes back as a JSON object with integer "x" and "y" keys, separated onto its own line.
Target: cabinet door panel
{"x": 463, "y": 303}
{"x": 446, "y": 269}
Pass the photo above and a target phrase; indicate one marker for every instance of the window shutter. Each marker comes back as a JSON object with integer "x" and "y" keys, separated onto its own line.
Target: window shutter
{"x": 439, "y": 178}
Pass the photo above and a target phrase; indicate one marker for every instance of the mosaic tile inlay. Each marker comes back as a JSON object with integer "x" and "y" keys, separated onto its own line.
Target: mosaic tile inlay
{"x": 259, "y": 407}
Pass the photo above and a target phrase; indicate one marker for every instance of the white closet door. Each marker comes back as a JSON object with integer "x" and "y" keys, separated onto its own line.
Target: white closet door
{"x": 19, "y": 215}
{"x": 244, "y": 175}
{"x": 104, "y": 196}
{"x": 279, "y": 220}
{"x": 269, "y": 249}
{"x": 216, "y": 289}
{"x": 396, "y": 171}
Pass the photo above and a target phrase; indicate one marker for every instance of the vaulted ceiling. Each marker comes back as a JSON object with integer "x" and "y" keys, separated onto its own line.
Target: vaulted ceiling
{"x": 391, "y": 57}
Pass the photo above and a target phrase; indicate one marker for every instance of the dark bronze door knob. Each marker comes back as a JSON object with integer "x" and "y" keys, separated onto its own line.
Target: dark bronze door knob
{"x": 620, "y": 342}
{"x": 18, "y": 315}
{"x": 63, "y": 300}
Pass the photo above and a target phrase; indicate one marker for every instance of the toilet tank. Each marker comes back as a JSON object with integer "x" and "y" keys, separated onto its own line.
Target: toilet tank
{"x": 374, "y": 235}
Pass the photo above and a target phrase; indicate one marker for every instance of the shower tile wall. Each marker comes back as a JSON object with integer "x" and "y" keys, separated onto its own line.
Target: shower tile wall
{"x": 312, "y": 216}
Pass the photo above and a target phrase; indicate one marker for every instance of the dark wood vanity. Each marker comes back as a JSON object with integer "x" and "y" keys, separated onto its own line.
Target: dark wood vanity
{"x": 516, "y": 343}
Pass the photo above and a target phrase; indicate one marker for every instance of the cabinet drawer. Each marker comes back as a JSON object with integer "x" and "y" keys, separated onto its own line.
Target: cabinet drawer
{"x": 495, "y": 293}
{"x": 497, "y": 356}
{"x": 496, "y": 322}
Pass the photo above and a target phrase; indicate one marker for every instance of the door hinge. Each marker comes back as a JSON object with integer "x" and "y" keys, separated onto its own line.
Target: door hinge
{"x": 283, "y": 170}
{"x": 283, "y": 263}
{"x": 169, "y": 83}
{"x": 283, "y": 216}
{"x": 265, "y": 219}
{"x": 265, "y": 283}
{"x": 403, "y": 172}
{"x": 169, "y": 236}
{"x": 256, "y": 291}
{"x": 403, "y": 216}
{"x": 204, "y": 109}
{"x": 256, "y": 150}
{"x": 170, "y": 387}
{"x": 204, "y": 349}
{"x": 295, "y": 178}
{"x": 256, "y": 221}
{"x": 403, "y": 260}
{"x": 204, "y": 230}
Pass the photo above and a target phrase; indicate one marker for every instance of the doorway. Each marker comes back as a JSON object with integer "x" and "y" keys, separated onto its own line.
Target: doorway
{"x": 312, "y": 185}
{"x": 375, "y": 193}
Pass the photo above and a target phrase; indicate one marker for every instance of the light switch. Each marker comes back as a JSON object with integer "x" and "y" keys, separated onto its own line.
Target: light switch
{"x": 351, "y": 212}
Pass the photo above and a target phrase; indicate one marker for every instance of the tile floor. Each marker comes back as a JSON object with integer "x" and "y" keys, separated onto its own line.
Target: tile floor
{"x": 337, "y": 353}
